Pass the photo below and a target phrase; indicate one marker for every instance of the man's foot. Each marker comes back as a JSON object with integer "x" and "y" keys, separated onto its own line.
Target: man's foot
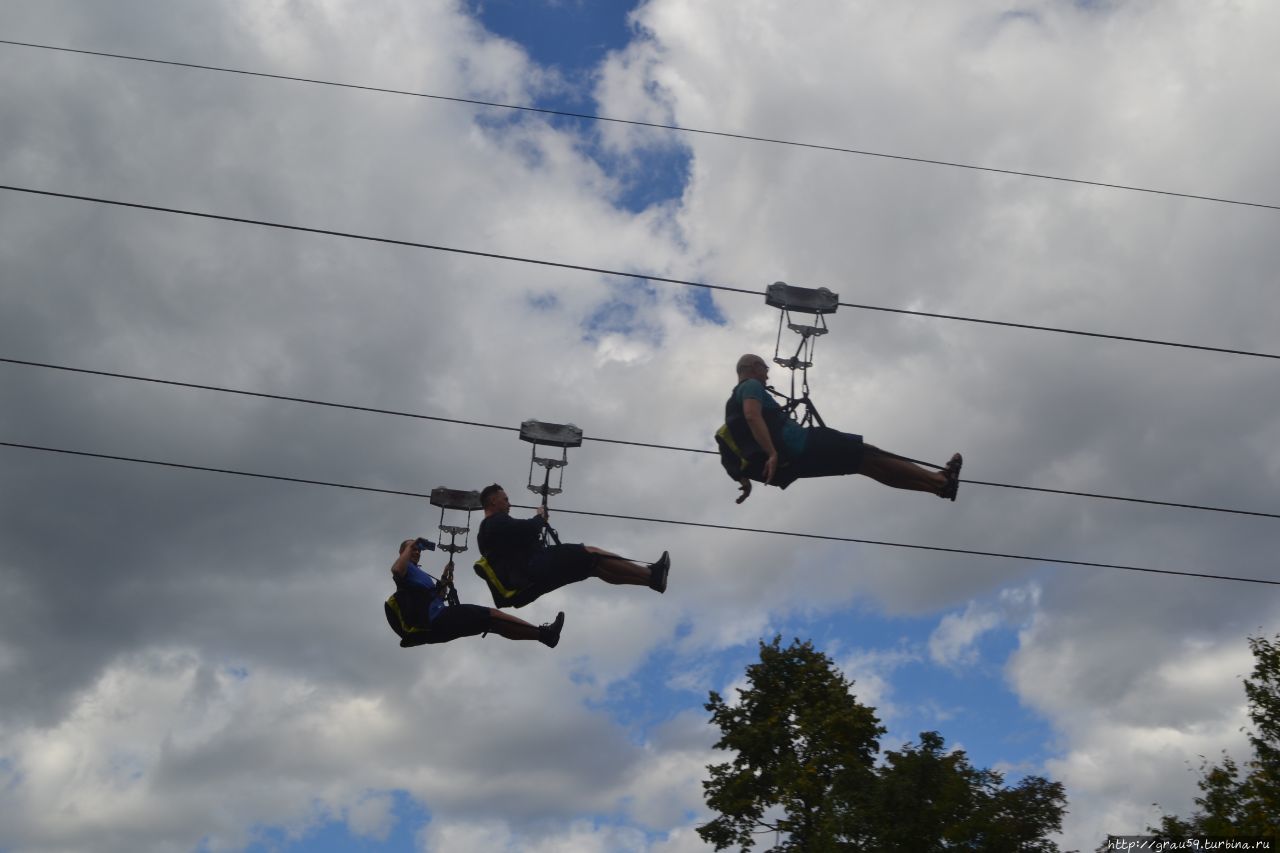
{"x": 549, "y": 635}
{"x": 658, "y": 572}
{"x": 952, "y": 473}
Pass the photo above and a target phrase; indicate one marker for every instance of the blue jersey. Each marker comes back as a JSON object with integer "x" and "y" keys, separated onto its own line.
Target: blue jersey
{"x": 415, "y": 576}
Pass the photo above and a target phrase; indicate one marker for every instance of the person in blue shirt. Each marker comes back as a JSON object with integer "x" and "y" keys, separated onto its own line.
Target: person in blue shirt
{"x": 446, "y": 621}
{"x": 515, "y": 550}
{"x": 781, "y": 451}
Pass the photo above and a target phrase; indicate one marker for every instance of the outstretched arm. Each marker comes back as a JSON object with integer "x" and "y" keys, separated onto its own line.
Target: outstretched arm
{"x": 401, "y": 565}
{"x": 753, "y": 411}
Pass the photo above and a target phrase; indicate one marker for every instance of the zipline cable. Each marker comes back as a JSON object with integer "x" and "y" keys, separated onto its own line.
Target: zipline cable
{"x": 419, "y": 416}
{"x": 603, "y": 271}
{"x": 654, "y": 125}
{"x": 818, "y": 536}
{"x": 885, "y": 544}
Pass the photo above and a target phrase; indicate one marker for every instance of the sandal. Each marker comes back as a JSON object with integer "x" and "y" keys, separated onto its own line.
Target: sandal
{"x": 952, "y": 473}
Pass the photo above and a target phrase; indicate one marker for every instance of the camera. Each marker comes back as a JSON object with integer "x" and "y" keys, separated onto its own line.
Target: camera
{"x": 424, "y": 544}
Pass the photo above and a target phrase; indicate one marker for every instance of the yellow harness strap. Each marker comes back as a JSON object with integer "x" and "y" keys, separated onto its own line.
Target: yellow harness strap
{"x": 484, "y": 570}
{"x": 727, "y": 437}
{"x": 405, "y": 626}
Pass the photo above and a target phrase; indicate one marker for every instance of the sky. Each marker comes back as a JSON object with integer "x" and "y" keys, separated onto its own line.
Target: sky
{"x": 197, "y": 661}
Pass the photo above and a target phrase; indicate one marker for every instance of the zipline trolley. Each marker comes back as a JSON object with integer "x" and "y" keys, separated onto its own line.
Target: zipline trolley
{"x": 815, "y": 304}
{"x": 541, "y": 434}
{"x": 454, "y": 500}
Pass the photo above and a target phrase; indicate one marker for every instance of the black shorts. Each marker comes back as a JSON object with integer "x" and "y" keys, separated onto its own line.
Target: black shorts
{"x": 554, "y": 567}
{"x": 460, "y": 620}
{"x": 829, "y": 453}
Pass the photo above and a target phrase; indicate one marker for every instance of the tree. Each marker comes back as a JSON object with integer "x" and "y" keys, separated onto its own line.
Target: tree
{"x": 804, "y": 745}
{"x": 928, "y": 799}
{"x": 804, "y": 770}
{"x": 1233, "y": 803}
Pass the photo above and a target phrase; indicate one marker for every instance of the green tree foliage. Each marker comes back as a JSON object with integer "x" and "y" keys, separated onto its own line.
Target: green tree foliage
{"x": 1236, "y": 801}
{"x": 929, "y": 799}
{"x": 803, "y": 746}
{"x": 804, "y": 775}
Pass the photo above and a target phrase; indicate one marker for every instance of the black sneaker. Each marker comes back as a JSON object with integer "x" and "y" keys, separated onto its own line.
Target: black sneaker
{"x": 952, "y": 473}
{"x": 658, "y": 572}
{"x": 549, "y": 635}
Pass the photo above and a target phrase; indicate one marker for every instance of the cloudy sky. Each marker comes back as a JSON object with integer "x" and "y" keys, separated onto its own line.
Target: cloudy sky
{"x": 198, "y": 661}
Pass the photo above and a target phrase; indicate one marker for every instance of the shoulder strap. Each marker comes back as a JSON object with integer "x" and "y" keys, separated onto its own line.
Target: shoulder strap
{"x": 732, "y": 458}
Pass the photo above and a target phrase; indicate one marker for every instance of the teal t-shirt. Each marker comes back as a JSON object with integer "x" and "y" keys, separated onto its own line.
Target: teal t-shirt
{"x": 793, "y": 435}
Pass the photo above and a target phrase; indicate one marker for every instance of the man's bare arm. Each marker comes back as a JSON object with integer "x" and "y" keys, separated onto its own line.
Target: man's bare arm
{"x": 753, "y": 411}
{"x": 401, "y": 565}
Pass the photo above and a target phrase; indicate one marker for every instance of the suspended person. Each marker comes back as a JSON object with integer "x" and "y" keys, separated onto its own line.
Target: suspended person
{"x": 520, "y": 567}
{"x": 426, "y": 611}
{"x": 760, "y": 442}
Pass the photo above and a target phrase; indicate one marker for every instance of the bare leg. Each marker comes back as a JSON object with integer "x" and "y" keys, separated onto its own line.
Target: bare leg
{"x": 611, "y": 568}
{"x": 899, "y": 473}
{"x": 512, "y": 627}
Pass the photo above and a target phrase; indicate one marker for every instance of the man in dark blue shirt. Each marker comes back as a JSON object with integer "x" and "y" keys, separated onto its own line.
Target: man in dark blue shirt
{"x": 522, "y": 561}
{"x": 444, "y": 622}
{"x": 783, "y": 451}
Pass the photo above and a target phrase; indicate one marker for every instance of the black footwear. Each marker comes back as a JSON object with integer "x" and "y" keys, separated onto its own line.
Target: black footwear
{"x": 549, "y": 635}
{"x": 658, "y": 572}
{"x": 952, "y": 473}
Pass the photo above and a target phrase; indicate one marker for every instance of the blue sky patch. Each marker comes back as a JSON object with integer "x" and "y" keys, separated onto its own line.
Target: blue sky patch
{"x": 622, "y": 314}
{"x": 543, "y": 301}
{"x": 572, "y": 39}
{"x": 647, "y": 176}
{"x": 704, "y": 306}
{"x": 996, "y": 727}
{"x": 572, "y": 36}
{"x": 334, "y": 836}
{"x": 651, "y": 696}
{"x": 9, "y": 775}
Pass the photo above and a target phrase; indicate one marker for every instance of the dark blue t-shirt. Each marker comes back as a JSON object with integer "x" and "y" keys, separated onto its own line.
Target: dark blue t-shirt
{"x": 415, "y": 576}
{"x": 508, "y": 543}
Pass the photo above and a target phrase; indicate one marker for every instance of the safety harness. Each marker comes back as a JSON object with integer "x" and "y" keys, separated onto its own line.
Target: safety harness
{"x": 503, "y": 596}
{"x": 740, "y": 454}
{"x": 406, "y": 612}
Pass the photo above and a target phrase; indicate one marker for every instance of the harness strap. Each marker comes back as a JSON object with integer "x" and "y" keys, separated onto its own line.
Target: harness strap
{"x": 725, "y": 437}
{"x": 730, "y": 451}
{"x": 410, "y": 635}
{"x": 486, "y": 572}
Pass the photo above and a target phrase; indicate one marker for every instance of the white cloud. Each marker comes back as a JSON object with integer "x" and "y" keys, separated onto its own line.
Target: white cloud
{"x": 1136, "y": 711}
{"x": 109, "y": 568}
{"x": 954, "y": 642}
{"x": 371, "y": 816}
{"x": 871, "y": 671}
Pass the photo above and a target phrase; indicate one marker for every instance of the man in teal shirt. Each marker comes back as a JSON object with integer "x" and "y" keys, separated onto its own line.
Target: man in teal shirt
{"x": 780, "y": 451}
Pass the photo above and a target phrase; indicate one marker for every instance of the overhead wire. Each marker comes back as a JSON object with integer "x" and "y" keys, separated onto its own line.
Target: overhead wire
{"x": 397, "y": 413}
{"x": 327, "y": 232}
{"x": 654, "y": 520}
{"x": 610, "y": 272}
{"x": 497, "y": 256}
{"x": 647, "y": 124}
